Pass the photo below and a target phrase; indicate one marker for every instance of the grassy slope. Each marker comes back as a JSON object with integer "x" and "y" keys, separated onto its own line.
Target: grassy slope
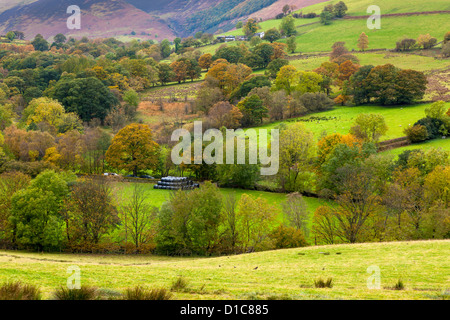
{"x": 319, "y": 37}
{"x": 158, "y": 197}
{"x": 400, "y": 60}
{"x": 359, "y": 7}
{"x": 397, "y": 119}
{"x": 423, "y": 266}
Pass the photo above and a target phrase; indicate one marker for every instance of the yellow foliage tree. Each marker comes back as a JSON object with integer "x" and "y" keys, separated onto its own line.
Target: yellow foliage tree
{"x": 133, "y": 149}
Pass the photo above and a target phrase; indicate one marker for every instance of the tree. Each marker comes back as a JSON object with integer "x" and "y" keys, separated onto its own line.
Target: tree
{"x": 133, "y": 149}
{"x": 205, "y": 61}
{"x": 357, "y": 202}
{"x": 165, "y": 48}
{"x": 286, "y": 9}
{"x": 189, "y": 221}
{"x": 426, "y": 41}
{"x": 11, "y": 36}
{"x": 239, "y": 25}
{"x": 165, "y": 73}
{"x": 179, "y": 68}
{"x": 87, "y": 97}
{"x": 369, "y": 127}
{"x": 287, "y": 26}
{"x": 224, "y": 114}
{"x": 363, "y": 41}
{"x": 43, "y": 110}
{"x": 254, "y": 220}
{"x": 274, "y": 67}
{"x": 340, "y": 9}
{"x": 286, "y": 79}
{"x": 248, "y": 85}
{"x": 326, "y": 17}
{"x": 93, "y": 213}
{"x": 272, "y": 35}
{"x": 253, "y": 110}
{"x": 296, "y": 213}
{"x": 297, "y": 150}
{"x": 39, "y": 43}
{"x": 10, "y": 183}
{"x": 292, "y": 44}
{"x": 139, "y": 218}
{"x": 265, "y": 51}
{"x": 250, "y": 27}
{"x": 35, "y": 211}
{"x": 60, "y": 38}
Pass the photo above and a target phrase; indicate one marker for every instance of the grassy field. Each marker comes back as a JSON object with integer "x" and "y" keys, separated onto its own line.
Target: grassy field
{"x": 157, "y": 197}
{"x": 437, "y": 143}
{"x": 359, "y": 7}
{"x": 423, "y": 267}
{"x": 319, "y": 37}
{"x": 400, "y": 60}
{"x": 341, "y": 119}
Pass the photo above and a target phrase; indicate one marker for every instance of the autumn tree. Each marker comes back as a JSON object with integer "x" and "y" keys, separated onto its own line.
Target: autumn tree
{"x": 250, "y": 27}
{"x": 93, "y": 211}
{"x": 133, "y": 149}
{"x": 205, "y": 61}
{"x": 363, "y": 41}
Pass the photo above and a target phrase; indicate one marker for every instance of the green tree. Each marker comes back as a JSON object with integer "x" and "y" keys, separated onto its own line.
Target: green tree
{"x": 292, "y": 44}
{"x": 36, "y": 211}
{"x": 272, "y": 35}
{"x": 340, "y": 9}
{"x": 287, "y": 26}
{"x": 39, "y": 43}
{"x": 369, "y": 127}
{"x": 253, "y": 110}
{"x": 87, "y": 97}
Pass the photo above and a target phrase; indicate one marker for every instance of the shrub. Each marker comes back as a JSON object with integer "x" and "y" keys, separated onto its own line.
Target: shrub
{"x": 141, "y": 293}
{"x": 320, "y": 283}
{"x": 417, "y": 133}
{"x": 84, "y": 293}
{"x": 399, "y": 285}
{"x": 316, "y": 102}
{"x": 288, "y": 237}
{"x": 19, "y": 291}
{"x": 179, "y": 284}
{"x": 434, "y": 127}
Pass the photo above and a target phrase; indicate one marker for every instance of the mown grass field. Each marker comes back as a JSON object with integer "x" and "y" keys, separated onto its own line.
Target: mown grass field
{"x": 423, "y": 266}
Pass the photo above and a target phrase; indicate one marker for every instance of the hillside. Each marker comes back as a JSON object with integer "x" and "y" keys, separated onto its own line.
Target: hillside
{"x": 287, "y": 274}
{"x": 166, "y": 19}
{"x": 100, "y": 18}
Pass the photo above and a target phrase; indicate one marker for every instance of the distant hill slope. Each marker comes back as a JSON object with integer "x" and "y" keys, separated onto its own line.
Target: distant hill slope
{"x": 100, "y": 18}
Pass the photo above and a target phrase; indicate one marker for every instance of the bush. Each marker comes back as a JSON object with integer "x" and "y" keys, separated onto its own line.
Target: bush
{"x": 288, "y": 237}
{"x": 141, "y": 293}
{"x": 399, "y": 285}
{"x": 417, "y": 133}
{"x": 434, "y": 127}
{"x": 18, "y": 291}
{"x": 316, "y": 102}
{"x": 84, "y": 293}
{"x": 320, "y": 283}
